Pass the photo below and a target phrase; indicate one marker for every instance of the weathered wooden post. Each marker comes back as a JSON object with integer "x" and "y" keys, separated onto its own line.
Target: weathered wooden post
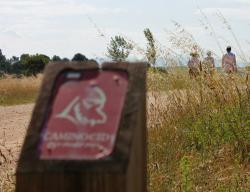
{"x": 88, "y": 130}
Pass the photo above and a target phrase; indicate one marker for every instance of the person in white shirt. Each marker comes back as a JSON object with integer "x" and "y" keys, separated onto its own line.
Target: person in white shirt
{"x": 229, "y": 61}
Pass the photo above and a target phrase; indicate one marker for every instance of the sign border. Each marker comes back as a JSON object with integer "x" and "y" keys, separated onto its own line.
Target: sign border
{"x": 29, "y": 161}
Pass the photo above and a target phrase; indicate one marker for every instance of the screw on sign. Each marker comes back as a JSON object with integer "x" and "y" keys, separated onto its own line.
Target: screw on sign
{"x": 85, "y": 115}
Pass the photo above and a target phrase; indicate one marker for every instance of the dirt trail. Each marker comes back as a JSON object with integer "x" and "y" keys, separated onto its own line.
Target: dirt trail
{"x": 14, "y": 121}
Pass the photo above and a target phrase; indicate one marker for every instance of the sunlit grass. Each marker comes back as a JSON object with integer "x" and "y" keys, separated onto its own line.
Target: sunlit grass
{"x": 199, "y": 133}
{"x": 198, "y": 130}
{"x": 14, "y": 91}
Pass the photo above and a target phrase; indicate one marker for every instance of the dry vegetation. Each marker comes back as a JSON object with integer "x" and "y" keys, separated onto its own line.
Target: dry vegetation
{"x": 199, "y": 131}
{"x": 14, "y": 91}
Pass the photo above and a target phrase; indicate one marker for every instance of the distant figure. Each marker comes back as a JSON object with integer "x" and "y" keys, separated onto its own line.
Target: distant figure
{"x": 208, "y": 64}
{"x": 194, "y": 65}
{"x": 229, "y": 61}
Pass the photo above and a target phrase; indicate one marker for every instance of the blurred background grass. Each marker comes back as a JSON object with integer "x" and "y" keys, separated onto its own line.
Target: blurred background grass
{"x": 199, "y": 132}
{"x": 14, "y": 91}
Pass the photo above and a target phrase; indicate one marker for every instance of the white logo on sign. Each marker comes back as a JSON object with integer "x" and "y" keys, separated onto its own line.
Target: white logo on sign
{"x": 96, "y": 99}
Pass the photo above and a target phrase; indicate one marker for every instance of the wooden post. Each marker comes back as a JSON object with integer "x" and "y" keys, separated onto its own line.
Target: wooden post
{"x": 88, "y": 130}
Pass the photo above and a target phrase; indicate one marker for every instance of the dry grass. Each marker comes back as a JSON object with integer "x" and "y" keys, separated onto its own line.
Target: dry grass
{"x": 14, "y": 91}
{"x": 199, "y": 133}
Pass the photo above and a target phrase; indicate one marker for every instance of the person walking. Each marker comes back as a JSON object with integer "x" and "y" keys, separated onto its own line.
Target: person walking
{"x": 194, "y": 65}
{"x": 229, "y": 61}
{"x": 208, "y": 64}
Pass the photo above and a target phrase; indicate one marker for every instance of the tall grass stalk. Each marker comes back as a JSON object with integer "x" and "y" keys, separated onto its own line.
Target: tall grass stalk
{"x": 212, "y": 30}
{"x": 230, "y": 29}
{"x": 206, "y": 121}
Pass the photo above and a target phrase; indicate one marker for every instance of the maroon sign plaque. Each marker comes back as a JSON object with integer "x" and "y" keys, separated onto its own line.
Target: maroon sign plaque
{"x": 83, "y": 121}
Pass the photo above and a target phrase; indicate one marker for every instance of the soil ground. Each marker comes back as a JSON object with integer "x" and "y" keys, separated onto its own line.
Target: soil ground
{"x": 14, "y": 121}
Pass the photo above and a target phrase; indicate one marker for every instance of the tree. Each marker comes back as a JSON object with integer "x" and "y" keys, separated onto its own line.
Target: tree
{"x": 2, "y": 57}
{"x": 24, "y": 57}
{"x": 151, "y": 50}
{"x": 4, "y": 64}
{"x": 65, "y": 59}
{"x": 34, "y": 64}
{"x": 79, "y": 57}
{"x": 16, "y": 66}
{"x": 119, "y": 49}
{"x": 56, "y": 58}
{"x": 14, "y": 60}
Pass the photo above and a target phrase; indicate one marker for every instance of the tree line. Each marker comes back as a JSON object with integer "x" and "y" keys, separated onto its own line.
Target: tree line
{"x": 118, "y": 49}
{"x": 30, "y": 65}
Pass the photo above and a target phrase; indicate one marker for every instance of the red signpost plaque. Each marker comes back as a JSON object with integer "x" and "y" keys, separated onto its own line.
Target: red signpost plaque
{"x": 83, "y": 120}
{"x": 88, "y": 130}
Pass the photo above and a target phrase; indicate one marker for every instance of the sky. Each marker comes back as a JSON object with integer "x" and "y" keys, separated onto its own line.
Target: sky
{"x": 65, "y": 27}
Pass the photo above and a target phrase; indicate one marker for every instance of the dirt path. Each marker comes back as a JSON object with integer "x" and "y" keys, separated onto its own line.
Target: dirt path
{"x": 14, "y": 121}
